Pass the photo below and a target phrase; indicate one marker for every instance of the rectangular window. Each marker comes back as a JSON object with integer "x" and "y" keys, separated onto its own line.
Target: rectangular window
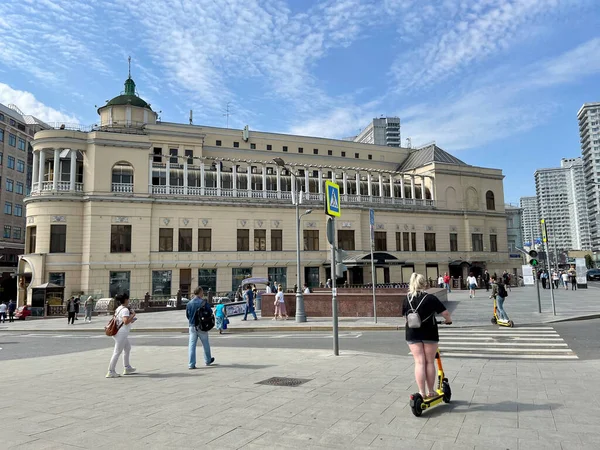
{"x": 12, "y": 140}
{"x": 190, "y": 157}
{"x": 119, "y": 283}
{"x": 346, "y": 239}
{"x": 239, "y": 274}
{"x": 9, "y": 185}
{"x": 300, "y": 150}
{"x": 58, "y": 238}
{"x": 161, "y": 282}
{"x": 413, "y": 241}
{"x": 343, "y": 154}
{"x": 207, "y": 279}
{"x": 7, "y": 231}
{"x": 57, "y": 278}
{"x": 269, "y": 147}
{"x": 173, "y": 159}
{"x": 276, "y": 240}
{"x": 260, "y": 240}
{"x": 31, "y": 239}
{"x": 330, "y": 152}
{"x": 398, "y": 241}
{"x": 157, "y": 158}
{"x": 477, "y": 241}
{"x": 22, "y": 144}
{"x": 429, "y": 239}
{"x": 218, "y": 143}
{"x": 19, "y": 189}
{"x": 311, "y": 240}
{"x": 11, "y": 162}
{"x": 356, "y": 155}
{"x": 18, "y": 211}
{"x": 253, "y": 146}
{"x": 243, "y": 240}
{"x": 185, "y": 240}
{"x": 453, "y": 242}
{"x": 380, "y": 241}
{"x": 8, "y": 208}
{"x": 1, "y": 155}
{"x": 277, "y": 275}
{"x": 406, "y": 241}
{"x": 204, "y": 239}
{"x": 370, "y": 156}
{"x": 315, "y": 151}
{"x": 1, "y": 135}
{"x": 493, "y": 243}
{"x": 165, "y": 239}
{"x": 285, "y": 148}
{"x": 17, "y": 233}
{"x": 236, "y": 144}
{"x": 120, "y": 238}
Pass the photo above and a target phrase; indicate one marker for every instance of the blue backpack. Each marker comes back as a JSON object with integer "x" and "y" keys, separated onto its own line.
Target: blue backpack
{"x": 204, "y": 319}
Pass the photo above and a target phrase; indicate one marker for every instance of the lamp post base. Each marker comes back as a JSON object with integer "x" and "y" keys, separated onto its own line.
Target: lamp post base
{"x": 300, "y": 314}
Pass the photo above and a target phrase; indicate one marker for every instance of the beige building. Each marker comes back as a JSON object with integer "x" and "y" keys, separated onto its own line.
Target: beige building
{"x": 147, "y": 206}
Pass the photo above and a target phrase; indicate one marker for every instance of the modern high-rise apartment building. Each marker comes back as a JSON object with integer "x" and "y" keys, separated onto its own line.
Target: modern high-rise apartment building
{"x": 562, "y": 203}
{"x": 514, "y": 227}
{"x": 530, "y": 219}
{"x": 589, "y": 131}
{"x": 383, "y": 131}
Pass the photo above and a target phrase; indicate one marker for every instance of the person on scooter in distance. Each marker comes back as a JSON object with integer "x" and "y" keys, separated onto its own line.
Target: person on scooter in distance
{"x": 423, "y": 341}
{"x": 496, "y": 293}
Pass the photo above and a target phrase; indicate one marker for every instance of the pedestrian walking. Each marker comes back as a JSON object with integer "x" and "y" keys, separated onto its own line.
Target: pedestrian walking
{"x": 441, "y": 281}
{"x": 423, "y": 340}
{"x": 280, "y": 309}
{"x": 77, "y": 304}
{"x": 89, "y": 309}
{"x": 328, "y": 283}
{"x": 12, "y": 306}
{"x": 71, "y": 311}
{"x": 486, "y": 280}
{"x": 221, "y": 320}
{"x": 555, "y": 279}
{"x": 573, "y": 281}
{"x": 306, "y": 289}
{"x": 472, "y": 283}
{"x": 124, "y": 317}
{"x": 447, "y": 282}
{"x": 3, "y": 311}
{"x": 565, "y": 280}
{"x": 249, "y": 298}
{"x": 544, "y": 278}
{"x": 194, "y": 311}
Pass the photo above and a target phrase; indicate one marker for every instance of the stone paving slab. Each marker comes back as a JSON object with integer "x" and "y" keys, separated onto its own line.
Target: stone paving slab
{"x": 354, "y": 401}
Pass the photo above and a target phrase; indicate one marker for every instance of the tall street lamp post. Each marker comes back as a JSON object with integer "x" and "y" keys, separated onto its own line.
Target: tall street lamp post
{"x": 300, "y": 313}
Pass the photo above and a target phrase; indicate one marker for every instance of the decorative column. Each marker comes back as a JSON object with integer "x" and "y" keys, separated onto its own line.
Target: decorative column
{"x": 35, "y": 174}
{"x": 357, "y": 183}
{"x": 249, "y": 180}
{"x": 278, "y": 169}
{"x": 306, "y": 184}
{"x": 320, "y": 182}
{"x": 168, "y": 175}
{"x": 56, "y": 169}
{"x": 150, "y": 163}
{"x": 431, "y": 182}
{"x": 73, "y": 170}
{"x": 412, "y": 188}
{"x": 42, "y": 169}
{"x": 345, "y": 183}
{"x": 381, "y": 186}
{"x": 202, "y": 177}
{"x": 423, "y": 196}
{"x": 234, "y": 179}
{"x": 264, "y": 180}
{"x": 369, "y": 187}
{"x": 392, "y": 194}
{"x": 185, "y": 177}
{"x": 293, "y": 187}
{"x": 402, "y": 187}
{"x": 218, "y": 166}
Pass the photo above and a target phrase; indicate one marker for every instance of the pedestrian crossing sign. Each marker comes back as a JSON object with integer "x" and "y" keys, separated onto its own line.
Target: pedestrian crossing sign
{"x": 332, "y": 199}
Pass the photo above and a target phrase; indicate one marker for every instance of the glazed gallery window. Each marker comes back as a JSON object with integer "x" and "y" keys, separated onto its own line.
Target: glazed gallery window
{"x": 346, "y": 239}
{"x": 276, "y": 240}
{"x": 120, "y": 238}
{"x": 20, "y": 166}
{"x": 11, "y": 162}
{"x": 165, "y": 239}
{"x": 161, "y": 282}
{"x": 185, "y": 240}
{"x": 17, "y": 233}
{"x": 260, "y": 240}
{"x": 207, "y": 279}
{"x": 57, "y": 278}
{"x": 12, "y": 140}
{"x": 18, "y": 211}
{"x": 453, "y": 242}
{"x": 31, "y": 239}
{"x": 22, "y": 144}
{"x": 477, "y": 241}
{"x": 429, "y": 239}
{"x": 7, "y": 231}
{"x": 380, "y": 241}
{"x": 277, "y": 275}
{"x": 9, "y": 185}
{"x": 58, "y": 238}
{"x": 237, "y": 275}
{"x": 119, "y": 283}
{"x": 311, "y": 240}
{"x": 493, "y": 243}
{"x": 243, "y": 240}
{"x": 19, "y": 189}
{"x": 8, "y": 208}
{"x": 204, "y": 239}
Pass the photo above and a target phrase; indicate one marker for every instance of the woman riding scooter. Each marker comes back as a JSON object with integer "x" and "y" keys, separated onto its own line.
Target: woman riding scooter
{"x": 423, "y": 341}
{"x": 497, "y": 294}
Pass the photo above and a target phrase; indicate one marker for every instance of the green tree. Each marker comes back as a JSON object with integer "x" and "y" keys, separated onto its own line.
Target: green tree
{"x": 589, "y": 262}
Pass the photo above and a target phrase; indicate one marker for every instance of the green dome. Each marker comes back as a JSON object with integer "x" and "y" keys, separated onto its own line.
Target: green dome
{"x": 128, "y": 97}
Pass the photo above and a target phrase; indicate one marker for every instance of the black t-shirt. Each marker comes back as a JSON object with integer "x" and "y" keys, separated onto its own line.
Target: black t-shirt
{"x": 427, "y": 311}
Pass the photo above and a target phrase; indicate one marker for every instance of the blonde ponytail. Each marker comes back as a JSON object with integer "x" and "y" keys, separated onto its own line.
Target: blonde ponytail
{"x": 417, "y": 283}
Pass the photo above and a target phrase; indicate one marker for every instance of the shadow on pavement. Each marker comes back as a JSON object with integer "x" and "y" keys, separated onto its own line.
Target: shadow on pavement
{"x": 242, "y": 366}
{"x": 505, "y": 406}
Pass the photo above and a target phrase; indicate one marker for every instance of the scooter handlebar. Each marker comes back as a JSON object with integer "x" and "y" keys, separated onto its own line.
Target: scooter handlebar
{"x": 441, "y": 322}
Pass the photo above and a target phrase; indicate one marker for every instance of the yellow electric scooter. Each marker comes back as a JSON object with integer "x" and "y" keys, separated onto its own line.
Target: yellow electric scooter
{"x": 496, "y": 320}
{"x": 418, "y": 404}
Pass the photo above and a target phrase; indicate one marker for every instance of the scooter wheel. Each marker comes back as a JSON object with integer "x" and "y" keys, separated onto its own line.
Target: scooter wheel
{"x": 447, "y": 392}
{"x": 494, "y": 321}
{"x": 416, "y": 406}
{"x": 511, "y": 323}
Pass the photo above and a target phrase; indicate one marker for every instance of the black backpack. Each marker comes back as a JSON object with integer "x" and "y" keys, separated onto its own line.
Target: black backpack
{"x": 502, "y": 291}
{"x": 205, "y": 319}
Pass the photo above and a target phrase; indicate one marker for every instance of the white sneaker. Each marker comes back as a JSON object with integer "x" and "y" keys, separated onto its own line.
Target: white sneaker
{"x": 112, "y": 375}
{"x": 129, "y": 370}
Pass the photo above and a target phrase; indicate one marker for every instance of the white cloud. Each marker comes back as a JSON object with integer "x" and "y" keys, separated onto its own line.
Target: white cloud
{"x": 27, "y": 103}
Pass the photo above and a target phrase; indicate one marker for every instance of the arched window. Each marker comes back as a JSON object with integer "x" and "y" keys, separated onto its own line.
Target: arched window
{"x": 122, "y": 177}
{"x": 489, "y": 201}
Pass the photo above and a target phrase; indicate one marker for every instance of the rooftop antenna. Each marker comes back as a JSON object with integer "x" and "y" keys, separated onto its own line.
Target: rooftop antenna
{"x": 227, "y": 113}
{"x": 129, "y": 63}
{"x": 408, "y": 142}
{"x": 191, "y": 117}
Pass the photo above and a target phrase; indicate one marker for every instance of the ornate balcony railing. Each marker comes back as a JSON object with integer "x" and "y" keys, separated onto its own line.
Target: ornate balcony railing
{"x": 61, "y": 186}
{"x": 126, "y": 188}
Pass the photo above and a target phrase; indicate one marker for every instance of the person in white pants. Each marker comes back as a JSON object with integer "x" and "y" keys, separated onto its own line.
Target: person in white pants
{"x": 124, "y": 317}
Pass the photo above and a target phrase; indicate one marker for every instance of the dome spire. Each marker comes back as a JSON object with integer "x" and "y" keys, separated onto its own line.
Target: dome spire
{"x": 129, "y": 62}
{"x": 129, "y": 83}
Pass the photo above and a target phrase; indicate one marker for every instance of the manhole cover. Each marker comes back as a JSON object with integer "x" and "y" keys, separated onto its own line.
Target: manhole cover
{"x": 281, "y": 381}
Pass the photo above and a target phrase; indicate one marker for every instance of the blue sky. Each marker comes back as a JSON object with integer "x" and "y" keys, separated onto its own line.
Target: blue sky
{"x": 496, "y": 82}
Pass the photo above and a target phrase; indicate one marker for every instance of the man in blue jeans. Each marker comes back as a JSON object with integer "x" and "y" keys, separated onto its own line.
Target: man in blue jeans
{"x": 195, "y": 333}
{"x": 249, "y": 297}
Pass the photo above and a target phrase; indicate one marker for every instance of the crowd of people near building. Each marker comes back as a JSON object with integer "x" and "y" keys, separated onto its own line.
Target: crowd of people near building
{"x": 557, "y": 278}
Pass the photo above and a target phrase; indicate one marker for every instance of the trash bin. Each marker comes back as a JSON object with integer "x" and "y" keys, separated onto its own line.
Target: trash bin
{"x": 258, "y": 302}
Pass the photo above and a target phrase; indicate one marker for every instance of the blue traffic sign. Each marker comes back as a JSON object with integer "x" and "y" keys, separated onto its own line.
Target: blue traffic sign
{"x": 372, "y": 217}
{"x": 332, "y": 200}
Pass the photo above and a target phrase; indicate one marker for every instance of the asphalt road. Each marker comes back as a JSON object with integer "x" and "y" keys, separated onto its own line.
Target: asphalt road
{"x": 583, "y": 337}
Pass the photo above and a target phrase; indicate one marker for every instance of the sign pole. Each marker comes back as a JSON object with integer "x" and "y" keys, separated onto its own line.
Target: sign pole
{"x": 333, "y": 209}
{"x": 547, "y": 247}
{"x": 537, "y": 284}
{"x": 334, "y": 303}
{"x": 373, "y": 280}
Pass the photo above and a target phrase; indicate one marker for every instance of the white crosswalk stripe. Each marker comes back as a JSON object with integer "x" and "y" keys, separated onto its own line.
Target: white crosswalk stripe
{"x": 541, "y": 342}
